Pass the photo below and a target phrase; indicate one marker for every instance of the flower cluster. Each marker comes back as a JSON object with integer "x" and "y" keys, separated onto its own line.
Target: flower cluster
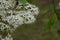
{"x": 11, "y": 18}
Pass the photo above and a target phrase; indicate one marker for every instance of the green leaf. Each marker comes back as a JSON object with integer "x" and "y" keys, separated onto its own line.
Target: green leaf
{"x": 23, "y": 1}
{"x": 51, "y": 22}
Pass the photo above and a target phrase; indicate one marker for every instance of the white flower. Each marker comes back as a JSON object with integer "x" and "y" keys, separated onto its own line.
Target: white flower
{"x": 32, "y": 8}
{"x": 15, "y": 20}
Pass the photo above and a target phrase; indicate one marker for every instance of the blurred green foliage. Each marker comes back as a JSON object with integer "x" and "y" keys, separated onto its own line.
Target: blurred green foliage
{"x": 51, "y": 22}
{"x": 23, "y": 1}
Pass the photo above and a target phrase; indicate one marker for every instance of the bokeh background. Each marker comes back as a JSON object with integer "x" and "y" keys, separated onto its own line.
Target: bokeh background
{"x": 38, "y": 29}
